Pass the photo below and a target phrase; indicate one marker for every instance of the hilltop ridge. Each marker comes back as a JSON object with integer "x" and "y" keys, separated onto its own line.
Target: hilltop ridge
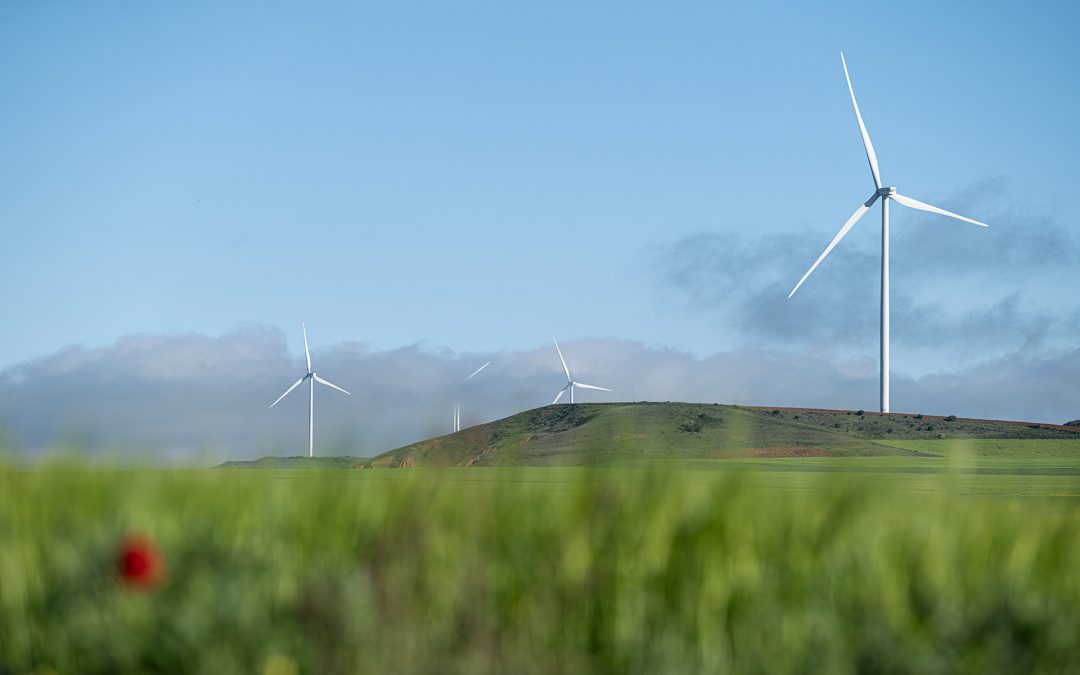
{"x": 598, "y": 433}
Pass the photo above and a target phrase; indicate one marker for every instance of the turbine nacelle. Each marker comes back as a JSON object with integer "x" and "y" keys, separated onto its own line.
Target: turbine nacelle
{"x": 886, "y": 191}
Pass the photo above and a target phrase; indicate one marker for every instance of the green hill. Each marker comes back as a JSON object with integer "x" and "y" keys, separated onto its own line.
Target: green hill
{"x": 597, "y": 433}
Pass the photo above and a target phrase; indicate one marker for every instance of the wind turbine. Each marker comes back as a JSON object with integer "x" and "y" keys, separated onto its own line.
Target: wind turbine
{"x": 886, "y": 194}
{"x": 312, "y": 378}
{"x": 570, "y": 382}
{"x": 457, "y": 405}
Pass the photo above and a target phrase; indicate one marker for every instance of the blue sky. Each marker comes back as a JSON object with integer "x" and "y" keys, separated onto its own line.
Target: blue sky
{"x": 482, "y": 175}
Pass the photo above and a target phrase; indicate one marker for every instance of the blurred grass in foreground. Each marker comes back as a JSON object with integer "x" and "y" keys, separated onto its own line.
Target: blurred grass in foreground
{"x": 532, "y": 571}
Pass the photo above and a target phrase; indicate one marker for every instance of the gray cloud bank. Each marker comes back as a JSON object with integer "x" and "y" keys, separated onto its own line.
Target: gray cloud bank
{"x": 184, "y": 395}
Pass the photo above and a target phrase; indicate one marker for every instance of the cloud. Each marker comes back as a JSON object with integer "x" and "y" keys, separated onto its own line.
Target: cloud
{"x": 242, "y": 355}
{"x": 1020, "y": 240}
{"x": 957, "y": 290}
{"x": 182, "y": 395}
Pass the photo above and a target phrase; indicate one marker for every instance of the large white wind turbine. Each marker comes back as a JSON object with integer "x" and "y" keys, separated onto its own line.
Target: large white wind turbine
{"x": 312, "y": 378}
{"x": 886, "y": 194}
{"x": 457, "y": 405}
{"x": 570, "y": 382}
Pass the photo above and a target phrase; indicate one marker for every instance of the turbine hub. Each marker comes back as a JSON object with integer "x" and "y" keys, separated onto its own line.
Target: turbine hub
{"x": 886, "y": 191}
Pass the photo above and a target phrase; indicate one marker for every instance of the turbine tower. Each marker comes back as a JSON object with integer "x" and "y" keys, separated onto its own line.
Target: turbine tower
{"x": 457, "y": 405}
{"x": 886, "y": 194}
{"x": 312, "y": 378}
{"x": 570, "y": 382}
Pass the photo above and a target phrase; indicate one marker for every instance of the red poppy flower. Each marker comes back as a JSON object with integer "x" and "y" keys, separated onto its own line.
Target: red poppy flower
{"x": 139, "y": 562}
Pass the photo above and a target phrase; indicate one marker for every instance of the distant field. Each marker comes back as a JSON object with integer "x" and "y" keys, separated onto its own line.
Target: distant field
{"x": 900, "y": 564}
{"x": 1018, "y": 449}
{"x": 331, "y": 462}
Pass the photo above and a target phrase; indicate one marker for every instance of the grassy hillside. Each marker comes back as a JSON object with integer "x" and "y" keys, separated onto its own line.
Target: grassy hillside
{"x": 597, "y": 433}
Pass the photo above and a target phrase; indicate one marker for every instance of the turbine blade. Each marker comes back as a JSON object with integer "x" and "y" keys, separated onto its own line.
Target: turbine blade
{"x": 859, "y": 212}
{"x": 870, "y": 155}
{"x": 307, "y": 353}
{"x": 916, "y": 204}
{"x": 559, "y": 395}
{"x": 591, "y": 386}
{"x": 477, "y": 371}
{"x": 330, "y": 384}
{"x": 565, "y": 369}
{"x": 295, "y": 385}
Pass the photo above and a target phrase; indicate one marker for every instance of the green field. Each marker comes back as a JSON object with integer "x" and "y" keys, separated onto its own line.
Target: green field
{"x": 618, "y": 538}
{"x": 960, "y": 559}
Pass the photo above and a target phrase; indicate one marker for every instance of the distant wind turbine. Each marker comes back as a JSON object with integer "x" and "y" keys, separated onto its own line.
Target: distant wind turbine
{"x": 312, "y": 378}
{"x": 570, "y": 382}
{"x": 457, "y": 405}
{"x": 886, "y": 194}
